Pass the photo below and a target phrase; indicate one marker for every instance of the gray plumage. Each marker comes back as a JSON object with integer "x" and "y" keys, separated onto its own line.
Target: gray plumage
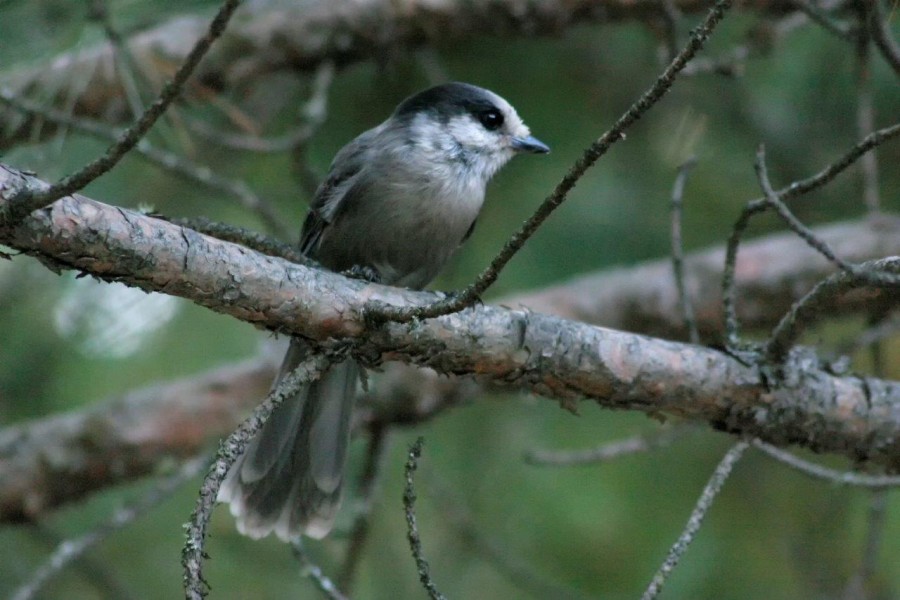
{"x": 399, "y": 199}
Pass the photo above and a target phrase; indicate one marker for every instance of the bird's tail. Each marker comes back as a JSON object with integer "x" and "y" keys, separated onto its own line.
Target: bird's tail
{"x": 289, "y": 478}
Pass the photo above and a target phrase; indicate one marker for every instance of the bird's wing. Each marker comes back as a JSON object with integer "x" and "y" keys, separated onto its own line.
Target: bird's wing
{"x": 341, "y": 184}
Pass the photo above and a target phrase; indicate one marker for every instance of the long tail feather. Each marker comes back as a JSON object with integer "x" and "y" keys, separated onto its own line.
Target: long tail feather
{"x": 289, "y": 478}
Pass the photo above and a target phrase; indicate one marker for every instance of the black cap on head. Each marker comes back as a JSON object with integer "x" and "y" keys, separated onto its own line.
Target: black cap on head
{"x": 448, "y": 100}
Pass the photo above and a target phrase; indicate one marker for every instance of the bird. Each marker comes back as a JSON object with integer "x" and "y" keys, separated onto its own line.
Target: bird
{"x": 397, "y": 202}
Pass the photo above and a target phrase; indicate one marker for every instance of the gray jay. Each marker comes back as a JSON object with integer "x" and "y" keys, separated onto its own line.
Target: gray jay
{"x": 397, "y": 202}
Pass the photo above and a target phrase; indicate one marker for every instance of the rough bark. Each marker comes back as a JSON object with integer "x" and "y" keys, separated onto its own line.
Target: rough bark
{"x": 61, "y": 458}
{"x": 543, "y": 354}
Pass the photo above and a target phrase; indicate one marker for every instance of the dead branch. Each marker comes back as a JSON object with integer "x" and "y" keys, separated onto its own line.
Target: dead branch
{"x": 546, "y": 355}
{"x": 644, "y": 298}
{"x": 61, "y": 458}
{"x": 269, "y": 37}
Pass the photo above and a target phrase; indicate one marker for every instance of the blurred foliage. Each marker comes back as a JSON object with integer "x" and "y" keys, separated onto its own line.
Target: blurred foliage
{"x": 592, "y": 531}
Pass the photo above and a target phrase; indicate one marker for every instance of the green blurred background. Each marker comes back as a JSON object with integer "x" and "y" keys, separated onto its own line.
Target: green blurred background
{"x": 581, "y": 532}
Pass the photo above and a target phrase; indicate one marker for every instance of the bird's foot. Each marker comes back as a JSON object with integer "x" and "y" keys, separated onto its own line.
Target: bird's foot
{"x": 363, "y": 273}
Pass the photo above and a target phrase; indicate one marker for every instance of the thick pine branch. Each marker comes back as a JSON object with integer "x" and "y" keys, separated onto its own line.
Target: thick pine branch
{"x": 547, "y": 355}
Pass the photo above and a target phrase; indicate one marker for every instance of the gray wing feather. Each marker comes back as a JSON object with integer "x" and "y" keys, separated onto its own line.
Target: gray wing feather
{"x": 344, "y": 174}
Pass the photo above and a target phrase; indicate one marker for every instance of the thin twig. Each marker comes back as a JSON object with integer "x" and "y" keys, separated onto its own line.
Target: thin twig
{"x": 865, "y": 112}
{"x": 713, "y": 486}
{"x": 311, "y": 570}
{"x": 471, "y": 294}
{"x": 73, "y": 549}
{"x": 312, "y": 114}
{"x": 359, "y": 533}
{"x": 875, "y": 520}
{"x": 823, "y": 19}
{"x": 870, "y": 274}
{"x": 494, "y": 552}
{"x": 807, "y": 308}
{"x": 24, "y": 203}
{"x": 97, "y": 571}
{"x": 687, "y": 307}
{"x": 882, "y": 35}
{"x": 848, "y": 478}
{"x": 881, "y": 329}
{"x": 788, "y": 217}
{"x": 412, "y": 528}
{"x": 230, "y": 450}
{"x": 245, "y": 237}
{"x": 99, "y": 11}
{"x": 860, "y": 583}
{"x": 759, "y": 205}
{"x": 166, "y": 160}
{"x": 670, "y": 16}
{"x": 659, "y": 438}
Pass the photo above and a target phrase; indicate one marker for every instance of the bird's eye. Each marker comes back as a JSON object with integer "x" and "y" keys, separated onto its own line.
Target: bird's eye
{"x": 491, "y": 119}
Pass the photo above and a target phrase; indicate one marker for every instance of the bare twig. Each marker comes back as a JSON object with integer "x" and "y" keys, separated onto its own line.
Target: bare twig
{"x": 696, "y": 519}
{"x": 72, "y": 549}
{"x": 659, "y": 438}
{"x": 99, "y": 11}
{"x": 805, "y": 310}
{"x": 244, "y": 237}
{"x": 687, "y": 307}
{"x": 494, "y": 552}
{"x": 312, "y": 114}
{"x": 25, "y": 203}
{"x": 361, "y": 525}
{"x": 412, "y": 528}
{"x": 670, "y": 17}
{"x": 314, "y": 572}
{"x": 97, "y": 571}
{"x": 230, "y": 450}
{"x": 860, "y": 584}
{"x": 865, "y": 112}
{"x": 169, "y": 161}
{"x": 849, "y": 478}
{"x": 471, "y": 294}
{"x": 879, "y": 330}
{"x": 858, "y": 587}
{"x": 870, "y": 274}
{"x": 881, "y": 34}
{"x": 788, "y": 217}
{"x": 793, "y": 190}
{"x": 817, "y": 14}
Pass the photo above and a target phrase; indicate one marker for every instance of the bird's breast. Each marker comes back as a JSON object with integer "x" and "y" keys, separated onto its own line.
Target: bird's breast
{"x": 408, "y": 221}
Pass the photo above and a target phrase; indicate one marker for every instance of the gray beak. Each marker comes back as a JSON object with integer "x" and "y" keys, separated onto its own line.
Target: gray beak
{"x": 530, "y": 144}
